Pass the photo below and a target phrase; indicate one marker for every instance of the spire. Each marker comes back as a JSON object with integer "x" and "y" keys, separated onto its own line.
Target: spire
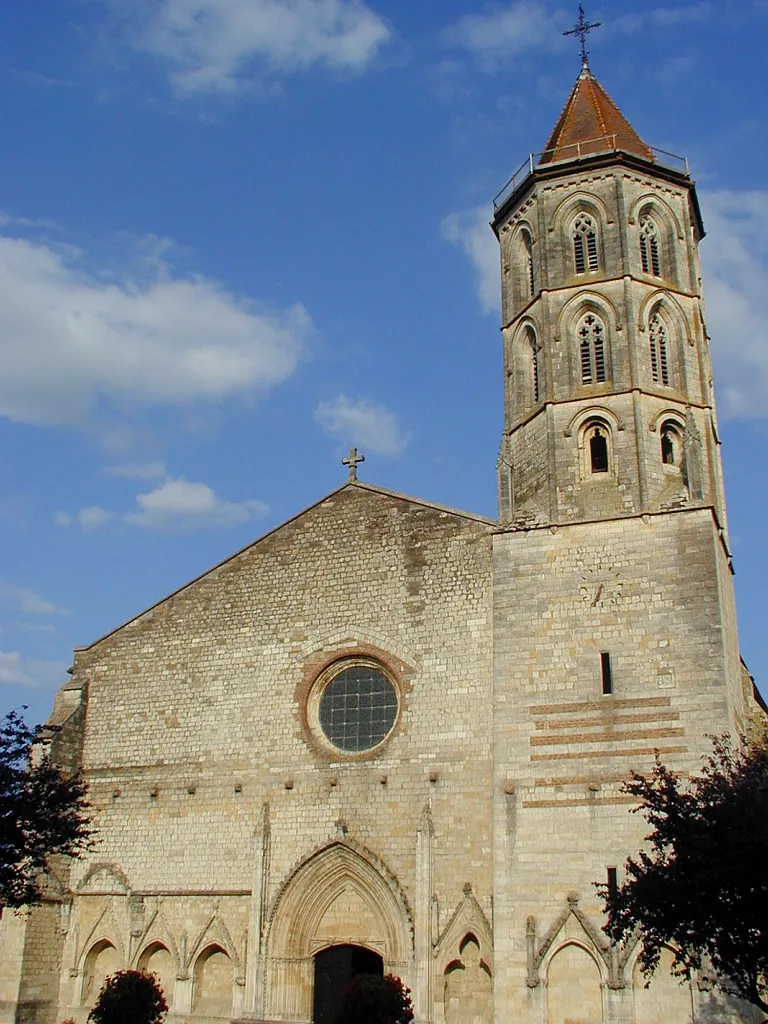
{"x": 591, "y": 123}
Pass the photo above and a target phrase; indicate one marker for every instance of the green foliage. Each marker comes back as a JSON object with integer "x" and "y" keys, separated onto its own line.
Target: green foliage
{"x": 129, "y": 997}
{"x": 701, "y": 887}
{"x": 371, "y": 999}
{"x": 42, "y": 813}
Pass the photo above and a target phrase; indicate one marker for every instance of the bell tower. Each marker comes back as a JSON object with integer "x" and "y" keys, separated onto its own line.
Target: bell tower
{"x": 608, "y": 401}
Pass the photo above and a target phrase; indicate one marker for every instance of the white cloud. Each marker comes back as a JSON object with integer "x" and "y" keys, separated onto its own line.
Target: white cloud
{"x": 735, "y": 271}
{"x": 138, "y": 470}
{"x": 69, "y": 338}
{"x": 179, "y": 503}
{"x": 504, "y": 31}
{"x": 470, "y": 230}
{"x": 29, "y": 672}
{"x": 363, "y": 423}
{"x": 225, "y": 45}
{"x": 507, "y": 30}
{"x": 28, "y": 601}
{"x": 93, "y": 517}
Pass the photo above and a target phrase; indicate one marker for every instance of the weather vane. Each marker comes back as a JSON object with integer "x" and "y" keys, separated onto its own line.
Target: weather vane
{"x": 582, "y": 28}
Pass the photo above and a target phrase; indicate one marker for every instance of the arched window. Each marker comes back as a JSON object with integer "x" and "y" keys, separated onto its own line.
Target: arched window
{"x": 530, "y": 270}
{"x": 533, "y": 355}
{"x": 671, "y": 445}
{"x": 585, "y": 244}
{"x": 649, "y": 247}
{"x": 591, "y": 335}
{"x": 657, "y": 334}
{"x": 597, "y": 436}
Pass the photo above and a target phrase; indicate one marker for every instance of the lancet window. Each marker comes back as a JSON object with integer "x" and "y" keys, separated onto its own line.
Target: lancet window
{"x": 585, "y": 244}
{"x": 671, "y": 445}
{"x": 598, "y": 449}
{"x": 657, "y": 334}
{"x": 533, "y": 355}
{"x": 529, "y": 280}
{"x": 591, "y": 334}
{"x": 649, "y": 247}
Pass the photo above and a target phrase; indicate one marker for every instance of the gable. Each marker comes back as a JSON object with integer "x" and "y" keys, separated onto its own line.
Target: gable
{"x": 363, "y": 570}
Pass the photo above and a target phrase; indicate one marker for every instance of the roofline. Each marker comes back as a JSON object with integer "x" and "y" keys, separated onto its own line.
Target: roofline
{"x": 251, "y": 544}
{"x": 547, "y": 172}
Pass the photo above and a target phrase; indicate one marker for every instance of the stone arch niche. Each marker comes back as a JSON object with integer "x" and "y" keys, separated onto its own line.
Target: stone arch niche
{"x": 665, "y": 998}
{"x": 468, "y": 988}
{"x": 101, "y": 960}
{"x": 574, "y": 991}
{"x": 340, "y": 895}
{"x": 213, "y": 981}
{"x": 157, "y": 959}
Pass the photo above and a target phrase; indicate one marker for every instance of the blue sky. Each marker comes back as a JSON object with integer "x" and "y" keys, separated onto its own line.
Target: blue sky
{"x": 238, "y": 235}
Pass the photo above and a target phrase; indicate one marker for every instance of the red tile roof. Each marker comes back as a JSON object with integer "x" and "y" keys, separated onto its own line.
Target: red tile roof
{"x": 591, "y": 123}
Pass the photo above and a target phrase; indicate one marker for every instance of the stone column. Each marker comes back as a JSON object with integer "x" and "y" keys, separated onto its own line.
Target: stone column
{"x": 425, "y": 856}
{"x": 254, "y": 971}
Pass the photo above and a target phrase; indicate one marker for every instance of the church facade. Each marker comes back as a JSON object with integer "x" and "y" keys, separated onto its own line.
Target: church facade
{"x": 391, "y": 735}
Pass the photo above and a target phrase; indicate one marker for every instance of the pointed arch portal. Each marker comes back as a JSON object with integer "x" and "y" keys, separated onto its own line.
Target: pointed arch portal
{"x": 335, "y": 967}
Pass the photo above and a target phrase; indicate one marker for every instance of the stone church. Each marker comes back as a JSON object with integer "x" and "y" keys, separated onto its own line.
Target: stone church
{"x": 391, "y": 736}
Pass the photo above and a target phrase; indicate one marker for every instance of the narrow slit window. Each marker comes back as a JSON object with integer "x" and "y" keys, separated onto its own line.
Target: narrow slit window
{"x": 613, "y": 882}
{"x": 649, "y": 247}
{"x": 657, "y": 335}
{"x": 535, "y": 369}
{"x": 606, "y": 675}
{"x": 598, "y": 450}
{"x": 592, "y": 351}
{"x": 585, "y": 244}
{"x": 530, "y": 270}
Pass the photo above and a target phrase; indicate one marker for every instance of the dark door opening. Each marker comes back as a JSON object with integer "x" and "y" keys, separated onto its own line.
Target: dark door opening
{"x": 335, "y": 967}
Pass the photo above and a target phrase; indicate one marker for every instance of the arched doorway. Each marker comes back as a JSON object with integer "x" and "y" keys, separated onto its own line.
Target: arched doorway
{"x": 335, "y": 967}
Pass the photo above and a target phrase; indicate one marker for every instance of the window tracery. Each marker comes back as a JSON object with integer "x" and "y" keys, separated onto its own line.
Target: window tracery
{"x": 591, "y": 334}
{"x": 657, "y": 334}
{"x": 649, "y": 246}
{"x": 585, "y": 244}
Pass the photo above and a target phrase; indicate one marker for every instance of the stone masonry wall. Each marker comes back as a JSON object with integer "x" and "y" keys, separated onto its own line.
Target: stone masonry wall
{"x": 657, "y": 596}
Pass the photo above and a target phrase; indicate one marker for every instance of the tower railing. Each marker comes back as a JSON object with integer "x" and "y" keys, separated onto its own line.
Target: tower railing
{"x": 588, "y": 149}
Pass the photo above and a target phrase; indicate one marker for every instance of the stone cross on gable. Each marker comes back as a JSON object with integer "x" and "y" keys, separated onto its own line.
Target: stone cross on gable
{"x": 352, "y": 461}
{"x": 582, "y": 28}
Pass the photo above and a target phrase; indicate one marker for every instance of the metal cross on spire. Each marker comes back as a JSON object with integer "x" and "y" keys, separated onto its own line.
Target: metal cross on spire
{"x": 352, "y": 460}
{"x": 582, "y": 28}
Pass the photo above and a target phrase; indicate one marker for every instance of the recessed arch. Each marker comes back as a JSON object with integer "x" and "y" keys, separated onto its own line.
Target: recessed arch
{"x": 340, "y": 894}
{"x": 102, "y": 959}
{"x": 587, "y": 302}
{"x": 661, "y": 998}
{"x": 570, "y": 206}
{"x": 340, "y": 879}
{"x": 156, "y": 958}
{"x": 671, "y": 438}
{"x": 650, "y": 202}
{"x": 666, "y": 303}
{"x": 574, "y": 984}
{"x": 525, "y": 367}
{"x": 667, "y": 414}
{"x": 467, "y": 985}
{"x": 213, "y": 978}
{"x": 593, "y": 412}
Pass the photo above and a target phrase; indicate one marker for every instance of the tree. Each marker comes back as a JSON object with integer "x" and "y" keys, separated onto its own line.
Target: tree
{"x": 129, "y": 997}
{"x": 43, "y": 812}
{"x": 701, "y": 888}
{"x": 371, "y": 999}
